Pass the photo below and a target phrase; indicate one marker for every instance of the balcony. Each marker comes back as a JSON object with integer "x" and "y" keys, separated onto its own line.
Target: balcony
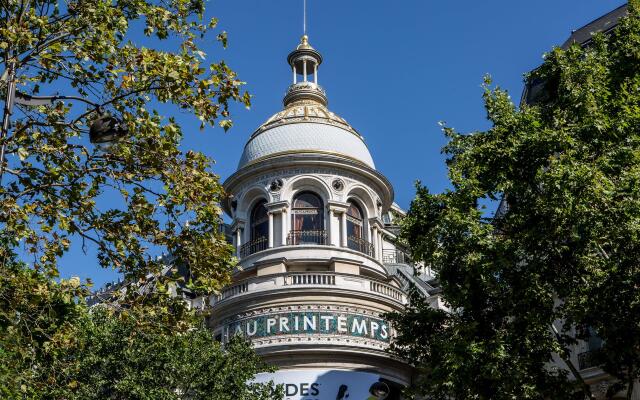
{"x": 361, "y": 245}
{"x": 254, "y": 246}
{"x": 315, "y": 237}
{"x": 586, "y": 359}
{"x": 395, "y": 256}
{"x": 311, "y": 280}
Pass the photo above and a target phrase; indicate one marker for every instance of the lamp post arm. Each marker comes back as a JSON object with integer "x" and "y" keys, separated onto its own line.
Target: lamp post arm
{"x": 28, "y": 100}
{"x": 8, "y": 110}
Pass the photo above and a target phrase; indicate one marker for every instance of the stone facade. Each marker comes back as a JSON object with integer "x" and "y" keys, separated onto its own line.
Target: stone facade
{"x": 312, "y": 223}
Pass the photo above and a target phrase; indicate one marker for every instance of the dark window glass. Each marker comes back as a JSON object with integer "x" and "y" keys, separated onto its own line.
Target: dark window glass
{"x": 259, "y": 221}
{"x": 595, "y": 342}
{"x": 354, "y": 221}
{"x": 307, "y": 219}
{"x": 307, "y": 200}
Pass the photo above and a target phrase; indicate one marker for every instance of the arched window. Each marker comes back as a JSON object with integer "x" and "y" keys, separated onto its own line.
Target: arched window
{"x": 355, "y": 230}
{"x": 259, "y": 223}
{"x": 354, "y": 221}
{"x": 307, "y": 220}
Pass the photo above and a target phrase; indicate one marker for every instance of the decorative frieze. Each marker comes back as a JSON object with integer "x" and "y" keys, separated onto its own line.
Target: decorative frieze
{"x": 311, "y": 324}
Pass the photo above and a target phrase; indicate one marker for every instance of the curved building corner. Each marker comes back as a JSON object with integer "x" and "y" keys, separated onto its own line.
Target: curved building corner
{"x": 313, "y": 227}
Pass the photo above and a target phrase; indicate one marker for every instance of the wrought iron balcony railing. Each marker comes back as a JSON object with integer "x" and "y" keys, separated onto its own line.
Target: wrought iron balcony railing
{"x": 361, "y": 245}
{"x": 395, "y": 256}
{"x": 587, "y": 359}
{"x": 254, "y": 246}
{"x": 307, "y": 237}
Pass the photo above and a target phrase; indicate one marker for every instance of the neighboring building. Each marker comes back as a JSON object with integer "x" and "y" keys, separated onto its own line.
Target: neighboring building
{"x": 314, "y": 225}
{"x": 534, "y": 89}
{"x": 534, "y": 92}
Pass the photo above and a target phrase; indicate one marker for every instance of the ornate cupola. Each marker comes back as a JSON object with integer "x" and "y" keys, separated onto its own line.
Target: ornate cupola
{"x": 318, "y": 266}
{"x": 304, "y": 62}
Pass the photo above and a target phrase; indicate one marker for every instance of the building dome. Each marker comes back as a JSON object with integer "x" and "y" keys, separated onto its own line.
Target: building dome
{"x": 318, "y": 266}
{"x": 305, "y": 127}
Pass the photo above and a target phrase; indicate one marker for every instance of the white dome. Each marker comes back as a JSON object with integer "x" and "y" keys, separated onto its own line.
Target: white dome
{"x": 305, "y": 138}
{"x": 306, "y": 127}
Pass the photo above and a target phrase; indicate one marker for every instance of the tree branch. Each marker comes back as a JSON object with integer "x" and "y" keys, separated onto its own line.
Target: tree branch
{"x": 567, "y": 360}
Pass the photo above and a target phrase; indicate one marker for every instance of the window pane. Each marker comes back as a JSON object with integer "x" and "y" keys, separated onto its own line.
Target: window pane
{"x": 307, "y": 200}
{"x": 354, "y": 211}
{"x": 259, "y": 221}
{"x": 308, "y": 213}
{"x": 354, "y": 221}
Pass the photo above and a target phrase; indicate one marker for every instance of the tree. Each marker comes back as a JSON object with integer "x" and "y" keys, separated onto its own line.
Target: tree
{"x": 113, "y": 358}
{"x": 563, "y": 251}
{"x": 37, "y": 320}
{"x": 52, "y": 346}
{"x": 54, "y": 180}
{"x": 125, "y": 59}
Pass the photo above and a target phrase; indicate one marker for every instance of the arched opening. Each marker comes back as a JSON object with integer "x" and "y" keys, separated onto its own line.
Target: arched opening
{"x": 259, "y": 221}
{"x": 307, "y": 220}
{"x": 259, "y": 230}
{"x": 355, "y": 230}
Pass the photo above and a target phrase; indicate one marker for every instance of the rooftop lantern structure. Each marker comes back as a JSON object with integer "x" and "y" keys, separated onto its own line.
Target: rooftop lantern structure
{"x": 304, "y": 62}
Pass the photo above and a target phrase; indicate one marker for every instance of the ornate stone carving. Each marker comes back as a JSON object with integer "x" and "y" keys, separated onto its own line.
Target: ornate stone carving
{"x": 276, "y": 185}
{"x": 337, "y": 185}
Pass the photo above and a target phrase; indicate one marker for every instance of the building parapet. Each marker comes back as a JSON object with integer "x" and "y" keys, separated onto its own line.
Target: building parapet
{"x": 317, "y": 280}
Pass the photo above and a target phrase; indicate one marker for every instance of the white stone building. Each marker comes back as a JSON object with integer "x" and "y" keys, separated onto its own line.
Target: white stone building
{"x": 313, "y": 225}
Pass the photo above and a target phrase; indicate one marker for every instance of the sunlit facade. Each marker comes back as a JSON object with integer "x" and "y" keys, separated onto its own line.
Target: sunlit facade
{"x": 314, "y": 232}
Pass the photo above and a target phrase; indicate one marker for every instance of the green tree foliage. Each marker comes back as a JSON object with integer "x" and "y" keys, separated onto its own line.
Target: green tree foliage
{"x": 129, "y": 57}
{"x": 113, "y": 358}
{"x": 37, "y": 324}
{"x": 565, "y": 249}
{"x": 54, "y": 178}
{"x": 53, "y": 346}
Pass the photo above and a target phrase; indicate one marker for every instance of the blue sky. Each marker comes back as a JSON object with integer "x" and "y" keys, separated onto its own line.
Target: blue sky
{"x": 392, "y": 69}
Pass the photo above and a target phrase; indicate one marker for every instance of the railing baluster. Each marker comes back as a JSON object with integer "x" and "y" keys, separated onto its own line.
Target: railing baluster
{"x": 254, "y": 246}
{"x": 312, "y": 279}
{"x": 318, "y": 237}
{"x": 395, "y": 256}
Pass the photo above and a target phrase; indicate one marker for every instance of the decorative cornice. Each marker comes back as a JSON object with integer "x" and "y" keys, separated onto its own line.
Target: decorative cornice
{"x": 300, "y": 152}
{"x": 238, "y": 224}
{"x": 283, "y": 164}
{"x": 345, "y": 261}
{"x": 277, "y": 206}
{"x": 337, "y": 206}
{"x": 272, "y": 261}
{"x": 377, "y": 223}
{"x": 304, "y": 111}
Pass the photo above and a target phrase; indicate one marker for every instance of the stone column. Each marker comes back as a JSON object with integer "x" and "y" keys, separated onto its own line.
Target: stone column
{"x": 374, "y": 241}
{"x": 270, "y": 214}
{"x": 284, "y": 223}
{"x": 343, "y": 223}
{"x": 315, "y": 73}
{"x": 304, "y": 69}
{"x": 337, "y": 223}
{"x": 334, "y": 228}
{"x": 238, "y": 242}
{"x": 295, "y": 77}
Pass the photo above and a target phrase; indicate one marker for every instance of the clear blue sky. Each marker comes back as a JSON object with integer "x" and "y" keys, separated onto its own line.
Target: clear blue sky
{"x": 392, "y": 69}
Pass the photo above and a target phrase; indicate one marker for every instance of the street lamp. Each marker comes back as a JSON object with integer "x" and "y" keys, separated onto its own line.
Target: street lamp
{"x": 104, "y": 129}
{"x": 379, "y": 390}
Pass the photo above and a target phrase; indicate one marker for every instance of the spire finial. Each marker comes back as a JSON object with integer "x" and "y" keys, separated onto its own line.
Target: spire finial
{"x": 304, "y": 17}
{"x": 304, "y": 61}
